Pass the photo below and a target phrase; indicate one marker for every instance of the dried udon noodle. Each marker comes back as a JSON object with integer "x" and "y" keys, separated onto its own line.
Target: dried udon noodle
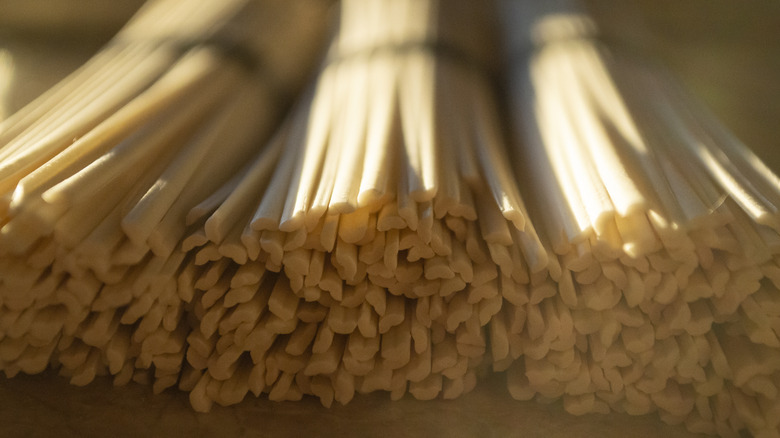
{"x": 99, "y": 173}
{"x": 369, "y": 202}
{"x": 377, "y": 237}
{"x": 665, "y": 227}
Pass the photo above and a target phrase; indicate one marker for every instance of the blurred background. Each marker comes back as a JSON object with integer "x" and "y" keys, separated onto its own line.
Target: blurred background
{"x": 726, "y": 53}
{"x": 44, "y": 40}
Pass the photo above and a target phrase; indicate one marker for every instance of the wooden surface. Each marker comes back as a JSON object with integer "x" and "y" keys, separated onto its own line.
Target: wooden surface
{"x": 727, "y": 52}
{"x": 36, "y": 406}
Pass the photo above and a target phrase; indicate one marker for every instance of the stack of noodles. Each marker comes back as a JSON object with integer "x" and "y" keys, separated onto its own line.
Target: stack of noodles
{"x": 387, "y": 208}
{"x": 345, "y": 255}
{"x": 165, "y": 114}
{"x": 378, "y": 241}
{"x": 665, "y": 228}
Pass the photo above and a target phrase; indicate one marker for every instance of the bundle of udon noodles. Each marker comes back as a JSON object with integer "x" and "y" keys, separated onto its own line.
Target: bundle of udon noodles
{"x": 666, "y": 230}
{"x": 98, "y": 174}
{"x": 379, "y": 241}
{"x": 390, "y": 258}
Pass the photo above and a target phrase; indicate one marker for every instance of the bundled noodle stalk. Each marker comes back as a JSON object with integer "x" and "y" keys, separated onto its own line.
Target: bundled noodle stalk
{"x": 387, "y": 208}
{"x": 665, "y": 226}
{"x": 98, "y": 174}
